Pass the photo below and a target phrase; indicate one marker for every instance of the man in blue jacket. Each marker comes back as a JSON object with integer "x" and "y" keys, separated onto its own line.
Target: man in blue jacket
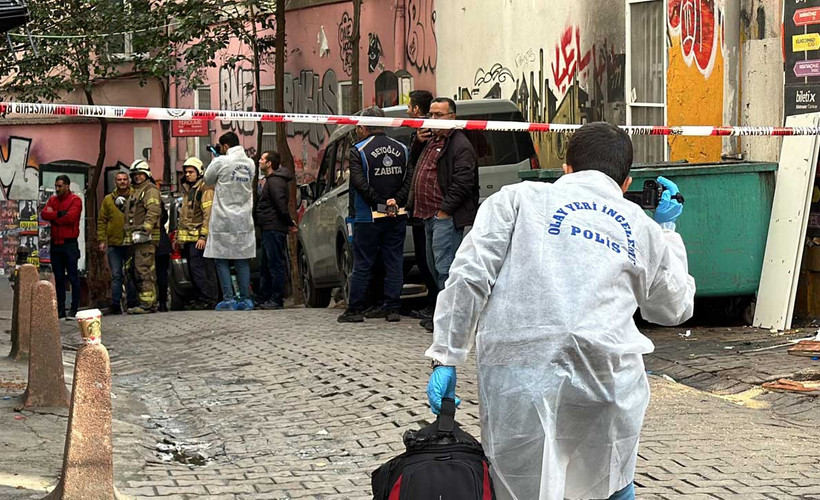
{"x": 379, "y": 185}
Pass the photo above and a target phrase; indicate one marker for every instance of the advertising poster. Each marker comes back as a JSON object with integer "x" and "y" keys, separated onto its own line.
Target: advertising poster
{"x": 801, "y": 32}
{"x": 10, "y": 227}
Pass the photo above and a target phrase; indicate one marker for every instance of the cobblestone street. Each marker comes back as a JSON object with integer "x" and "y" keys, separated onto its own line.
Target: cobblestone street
{"x": 291, "y": 404}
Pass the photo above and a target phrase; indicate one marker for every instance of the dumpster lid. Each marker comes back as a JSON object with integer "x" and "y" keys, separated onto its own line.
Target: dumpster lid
{"x": 666, "y": 169}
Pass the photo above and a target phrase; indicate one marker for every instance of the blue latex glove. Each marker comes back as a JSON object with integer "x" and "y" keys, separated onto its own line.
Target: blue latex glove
{"x": 442, "y": 384}
{"x": 668, "y": 209}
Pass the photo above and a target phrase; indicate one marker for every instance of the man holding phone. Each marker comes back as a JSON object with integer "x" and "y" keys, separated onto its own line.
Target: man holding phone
{"x": 380, "y": 182}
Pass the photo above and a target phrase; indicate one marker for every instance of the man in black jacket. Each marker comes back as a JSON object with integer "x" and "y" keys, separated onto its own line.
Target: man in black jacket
{"x": 273, "y": 216}
{"x": 379, "y": 184}
{"x": 444, "y": 193}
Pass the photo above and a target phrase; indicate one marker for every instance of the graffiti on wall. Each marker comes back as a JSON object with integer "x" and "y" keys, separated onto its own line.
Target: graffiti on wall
{"x": 694, "y": 89}
{"x": 697, "y": 23}
{"x": 576, "y": 86}
{"x": 308, "y": 94}
{"x": 522, "y": 59}
{"x": 374, "y": 52}
{"x": 19, "y": 176}
{"x": 421, "y": 48}
{"x": 236, "y": 94}
{"x": 569, "y": 59}
{"x": 345, "y": 43}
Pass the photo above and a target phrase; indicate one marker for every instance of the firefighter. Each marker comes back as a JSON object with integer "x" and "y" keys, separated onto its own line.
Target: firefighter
{"x": 142, "y": 219}
{"x": 192, "y": 233}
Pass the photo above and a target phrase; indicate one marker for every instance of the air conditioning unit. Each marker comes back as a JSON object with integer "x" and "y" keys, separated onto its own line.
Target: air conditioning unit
{"x": 13, "y": 14}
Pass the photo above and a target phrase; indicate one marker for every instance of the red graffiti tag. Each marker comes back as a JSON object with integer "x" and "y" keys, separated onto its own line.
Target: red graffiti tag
{"x": 569, "y": 60}
{"x": 695, "y": 21}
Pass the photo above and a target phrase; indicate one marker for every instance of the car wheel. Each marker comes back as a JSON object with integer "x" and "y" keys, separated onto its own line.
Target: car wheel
{"x": 345, "y": 270}
{"x": 314, "y": 297}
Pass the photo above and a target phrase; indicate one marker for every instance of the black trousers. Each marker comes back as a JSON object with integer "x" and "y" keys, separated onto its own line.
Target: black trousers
{"x": 64, "y": 261}
{"x": 203, "y": 274}
{"x": 163, "y": 263}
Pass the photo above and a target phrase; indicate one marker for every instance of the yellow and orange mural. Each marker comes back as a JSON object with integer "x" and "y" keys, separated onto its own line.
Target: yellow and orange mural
{"x": 694, "y": 89}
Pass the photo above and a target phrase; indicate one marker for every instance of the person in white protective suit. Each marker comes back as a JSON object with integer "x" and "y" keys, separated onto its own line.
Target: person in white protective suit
{"x": 547, "y": 283}
{"x": 231, "y": 234}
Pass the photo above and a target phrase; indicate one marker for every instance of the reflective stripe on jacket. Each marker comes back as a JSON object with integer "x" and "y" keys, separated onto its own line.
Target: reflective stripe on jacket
{"x": 195, "y": 215}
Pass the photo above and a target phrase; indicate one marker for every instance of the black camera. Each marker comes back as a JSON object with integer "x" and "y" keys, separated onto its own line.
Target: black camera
{"x": 650, "y": 197}
{"x": 213, "y": 149}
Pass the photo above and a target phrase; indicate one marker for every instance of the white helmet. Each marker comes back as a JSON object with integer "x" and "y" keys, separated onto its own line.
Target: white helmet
{"x": 140, "y": 166}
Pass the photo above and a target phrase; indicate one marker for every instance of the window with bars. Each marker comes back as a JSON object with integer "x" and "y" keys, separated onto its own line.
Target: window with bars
{"x": 121, "y": 46}
{"x": 646, "y": 75}
{"x": 202, "y": 100}
{"x": 345, "y": 95}
{"x": 267, "y": 96}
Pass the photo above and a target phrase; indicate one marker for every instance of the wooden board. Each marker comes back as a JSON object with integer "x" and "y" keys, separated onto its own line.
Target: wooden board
{"x": 787, "y": 227}
{"x": 809, "y": 348}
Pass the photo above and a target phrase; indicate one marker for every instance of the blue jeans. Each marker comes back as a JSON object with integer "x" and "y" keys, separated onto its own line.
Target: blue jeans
{"x": 243, "y": 278}
{"x": 383, "y": 237}
{"x": 628, "y": 493}
{"x": 443, "y": 240}
{"x": 274, "y": 247}
{"x": 117, "y": 256}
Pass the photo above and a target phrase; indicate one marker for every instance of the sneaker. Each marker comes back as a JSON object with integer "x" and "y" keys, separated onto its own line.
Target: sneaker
{"x": 113, "y": 310}
{"x": 375, "y": 312}
{"x": 141, "y": 310}
{"x": 61, "y": 315}
{"x": 425, "y": 313}
{"x": 350, "y": 317}
{"x": 226, "y": 305}
{"x": 393, "y": 316}
{"x": 243, "y": 305}
{"x": 427, "y": 324}
{"x": 72, "y": 315}
{"x": 270, "y": 305}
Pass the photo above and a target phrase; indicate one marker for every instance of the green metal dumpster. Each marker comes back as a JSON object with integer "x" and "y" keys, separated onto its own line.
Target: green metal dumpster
{"x": 724, "y": 223}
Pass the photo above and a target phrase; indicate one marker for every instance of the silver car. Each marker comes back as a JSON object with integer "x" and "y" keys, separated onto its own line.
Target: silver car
{"x": 325, "y": 251}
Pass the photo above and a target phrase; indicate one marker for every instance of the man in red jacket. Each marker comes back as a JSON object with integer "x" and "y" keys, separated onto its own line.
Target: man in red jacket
{"x": 63, "y": 211}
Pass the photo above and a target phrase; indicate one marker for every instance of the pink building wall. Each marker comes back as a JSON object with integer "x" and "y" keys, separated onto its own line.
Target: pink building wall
{"x": 25, "y": 144}
{"x": 396, "y": 38}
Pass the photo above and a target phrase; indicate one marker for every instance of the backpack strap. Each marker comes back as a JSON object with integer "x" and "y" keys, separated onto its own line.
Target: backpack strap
{"x": 446, "y": 420}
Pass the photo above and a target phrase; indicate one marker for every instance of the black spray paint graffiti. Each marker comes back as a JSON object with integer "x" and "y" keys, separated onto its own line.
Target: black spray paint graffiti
{"x": 18, "y": 179}
{"x": 236, "y": 94}
{"x": 422, "y": 47}
{"x": 497, "y": 75}
{"x": 306, "y": 94}
{"x": 374, "y": 52}
{"x": 599, "y": 97}
{"x": 345, "y": 44}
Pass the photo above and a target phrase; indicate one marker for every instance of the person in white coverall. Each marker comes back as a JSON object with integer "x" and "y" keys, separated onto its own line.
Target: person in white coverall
{"x": 547, "y": 283}
{"x": 231, "y": 235}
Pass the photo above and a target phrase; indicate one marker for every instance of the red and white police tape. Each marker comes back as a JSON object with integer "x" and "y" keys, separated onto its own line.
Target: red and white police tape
{"x": 8, "y": 109}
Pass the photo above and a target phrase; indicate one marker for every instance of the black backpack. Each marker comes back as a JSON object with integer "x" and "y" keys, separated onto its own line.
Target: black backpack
{"x": 441, "y": 462}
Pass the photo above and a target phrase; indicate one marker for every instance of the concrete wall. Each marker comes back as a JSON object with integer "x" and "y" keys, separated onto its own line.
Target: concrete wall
{"x": 560, "y": 61}
{"x": 397, "y": 38}
{"x": 761, "y": 72}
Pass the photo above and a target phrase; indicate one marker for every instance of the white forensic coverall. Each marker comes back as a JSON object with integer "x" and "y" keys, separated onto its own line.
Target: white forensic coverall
{"x": 547, "y": 282}
{"x": 231, "y": 233}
